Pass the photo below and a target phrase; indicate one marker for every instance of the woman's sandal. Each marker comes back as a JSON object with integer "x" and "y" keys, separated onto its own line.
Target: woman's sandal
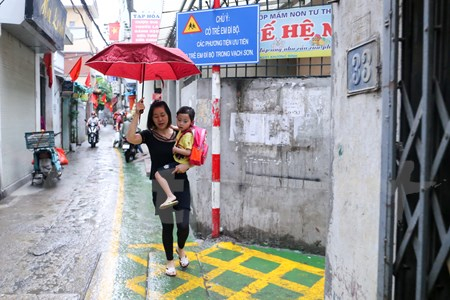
{"x": 184, "y": 261}
{"x": 171, "y": 272}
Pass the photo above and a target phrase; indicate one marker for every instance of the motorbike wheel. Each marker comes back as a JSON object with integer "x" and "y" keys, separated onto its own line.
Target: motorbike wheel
{"x": 127, "y": 156}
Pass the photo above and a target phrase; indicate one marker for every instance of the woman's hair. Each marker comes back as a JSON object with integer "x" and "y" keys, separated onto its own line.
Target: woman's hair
{"x": 187, "y": 110}
{"x": 156, "y": 104}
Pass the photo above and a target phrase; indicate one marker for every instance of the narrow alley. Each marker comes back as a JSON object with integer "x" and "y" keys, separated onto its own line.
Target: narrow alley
{"x": 93, "y": 235}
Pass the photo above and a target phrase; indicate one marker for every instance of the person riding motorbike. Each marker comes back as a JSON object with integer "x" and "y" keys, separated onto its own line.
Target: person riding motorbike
{"x": 94, "y": 119}
{"x": 124, "y": 129}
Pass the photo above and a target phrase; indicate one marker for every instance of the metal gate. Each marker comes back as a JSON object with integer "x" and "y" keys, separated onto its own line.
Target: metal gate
{"x": 418, "y": 168}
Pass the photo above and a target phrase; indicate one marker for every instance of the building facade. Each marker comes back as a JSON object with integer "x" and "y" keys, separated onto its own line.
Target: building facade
{"x": 389, "y": 229}
{"x": 29, "y": 98}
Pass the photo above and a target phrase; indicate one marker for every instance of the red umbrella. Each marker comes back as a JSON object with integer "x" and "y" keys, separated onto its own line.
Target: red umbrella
{"x": 143, "y": 61}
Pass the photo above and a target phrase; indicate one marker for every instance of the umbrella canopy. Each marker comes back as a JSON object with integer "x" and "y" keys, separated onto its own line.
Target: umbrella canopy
{"x": 143, "y": 61}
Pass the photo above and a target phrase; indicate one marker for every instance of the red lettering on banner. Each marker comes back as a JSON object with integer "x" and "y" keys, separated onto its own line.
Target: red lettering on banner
{"x": 267, "y": 31}
{"x": 326, "y": 29}
{"x": 306, "y": 30}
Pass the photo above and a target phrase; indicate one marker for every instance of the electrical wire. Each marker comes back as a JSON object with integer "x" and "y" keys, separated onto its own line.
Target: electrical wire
{"x": 86, "y": 9}
{"x": 87, "y": 33}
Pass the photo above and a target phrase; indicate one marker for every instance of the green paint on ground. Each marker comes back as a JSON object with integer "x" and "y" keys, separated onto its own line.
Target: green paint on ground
{"x": 294, "y": 255}
{"x": 232, "y": 280}
{"x": 198, "y": 269}
{"x": 302, "y": 277}
{"x": 200, "y": 294}
{"x": 139, "y": 226}
{"x": 272, "y": 291}
{"x": 174, "y": 283}
{"x": 260, "y": 264}
{"x": 225, "y": 254}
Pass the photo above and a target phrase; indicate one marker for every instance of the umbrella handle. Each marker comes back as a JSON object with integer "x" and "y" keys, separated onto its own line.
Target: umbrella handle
{"x": 141, "y": 111}
{"x": 142, "y": 80}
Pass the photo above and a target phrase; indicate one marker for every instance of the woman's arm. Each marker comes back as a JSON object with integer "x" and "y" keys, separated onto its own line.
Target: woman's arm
{"x": 132, "y": 136}
{"x": 181, "y": 168}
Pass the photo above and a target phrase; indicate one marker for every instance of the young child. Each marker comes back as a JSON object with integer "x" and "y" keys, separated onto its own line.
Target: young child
{"x": 181, "y": 150}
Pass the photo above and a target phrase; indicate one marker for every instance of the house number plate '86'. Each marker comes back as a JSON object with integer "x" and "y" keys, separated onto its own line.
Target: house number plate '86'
{"x": 362, "y": 68}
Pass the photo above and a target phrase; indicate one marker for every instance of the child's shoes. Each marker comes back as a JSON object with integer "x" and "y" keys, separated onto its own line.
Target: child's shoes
{"x": 168, "y": 203}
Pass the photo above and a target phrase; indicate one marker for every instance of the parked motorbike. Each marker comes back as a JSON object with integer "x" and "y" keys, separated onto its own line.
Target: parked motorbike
{"x": 117, "y": 142}
{"x": 92, "y": 134}
{"x": 129, "y": 150}
{"x": 46, "y": 164}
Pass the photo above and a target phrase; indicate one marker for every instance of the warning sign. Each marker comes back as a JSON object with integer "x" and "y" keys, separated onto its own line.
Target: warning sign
{"x": 192, "y": 26}
{"x": 227, "y": 35}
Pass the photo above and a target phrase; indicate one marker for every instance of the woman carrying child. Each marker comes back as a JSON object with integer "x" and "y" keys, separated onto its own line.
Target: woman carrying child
{"x": 160, "y": 139}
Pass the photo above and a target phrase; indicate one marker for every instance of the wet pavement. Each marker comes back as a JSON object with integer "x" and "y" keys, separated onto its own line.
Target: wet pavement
{"x": 94, "y": 235}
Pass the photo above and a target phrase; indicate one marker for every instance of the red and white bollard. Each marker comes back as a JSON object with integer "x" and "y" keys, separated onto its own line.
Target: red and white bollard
{"x": 215, "y": 187}
{"x": 215, "y": 150}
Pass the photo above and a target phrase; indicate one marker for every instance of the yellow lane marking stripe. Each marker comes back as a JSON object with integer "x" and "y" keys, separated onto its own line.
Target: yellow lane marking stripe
{"x": 108, "y": 274}
{"x": 137, "y": 259}
{"x": 133, "y": 284}
{"x": 158, "y": 246}
{"x": 316, "y": 291}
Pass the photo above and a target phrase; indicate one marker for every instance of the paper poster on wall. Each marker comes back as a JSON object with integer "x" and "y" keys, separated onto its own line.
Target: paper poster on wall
{"x": 296, "y": 33}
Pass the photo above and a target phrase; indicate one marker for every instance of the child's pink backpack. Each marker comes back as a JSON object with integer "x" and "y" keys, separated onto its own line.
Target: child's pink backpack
{"x": 199, "y": 148}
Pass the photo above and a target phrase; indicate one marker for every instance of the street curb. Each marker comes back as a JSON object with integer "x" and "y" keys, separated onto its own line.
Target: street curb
{"x": 151, "y": 261}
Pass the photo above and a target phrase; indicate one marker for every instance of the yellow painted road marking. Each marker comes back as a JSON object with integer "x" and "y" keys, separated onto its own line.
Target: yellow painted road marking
{"x": 109, "y": 273}
{"x": 133, "y": 284}
{"x": 316, "y": 292}
{"x": 137, "y": 259}
{"x": 271, "y": 257}
{"x": 261, "y": 281}
{"x": 158, "y": 246}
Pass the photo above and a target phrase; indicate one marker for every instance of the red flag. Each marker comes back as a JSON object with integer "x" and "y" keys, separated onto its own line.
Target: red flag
{"x": 49, "y": 68}
{"x": 75, "y": 72}
{"x": 113, "y": 101}
{"x": 94, "y": 100}
{"x": 114, "y": 31}
{"x": 108, "y": 105}
{"x": 131, "y": 100}
{"x": 88, "y": 80}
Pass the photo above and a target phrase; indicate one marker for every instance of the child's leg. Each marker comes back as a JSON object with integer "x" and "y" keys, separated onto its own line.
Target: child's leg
{"x": 166, "y": 188}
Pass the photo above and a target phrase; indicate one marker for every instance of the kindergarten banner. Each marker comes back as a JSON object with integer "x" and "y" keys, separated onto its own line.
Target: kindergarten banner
{"x": 296, "y": 33}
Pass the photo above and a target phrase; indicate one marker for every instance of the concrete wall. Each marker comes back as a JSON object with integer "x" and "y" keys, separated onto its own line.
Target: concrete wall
{"x": 353, "y": 238}
{"x": 275, "y": 160}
